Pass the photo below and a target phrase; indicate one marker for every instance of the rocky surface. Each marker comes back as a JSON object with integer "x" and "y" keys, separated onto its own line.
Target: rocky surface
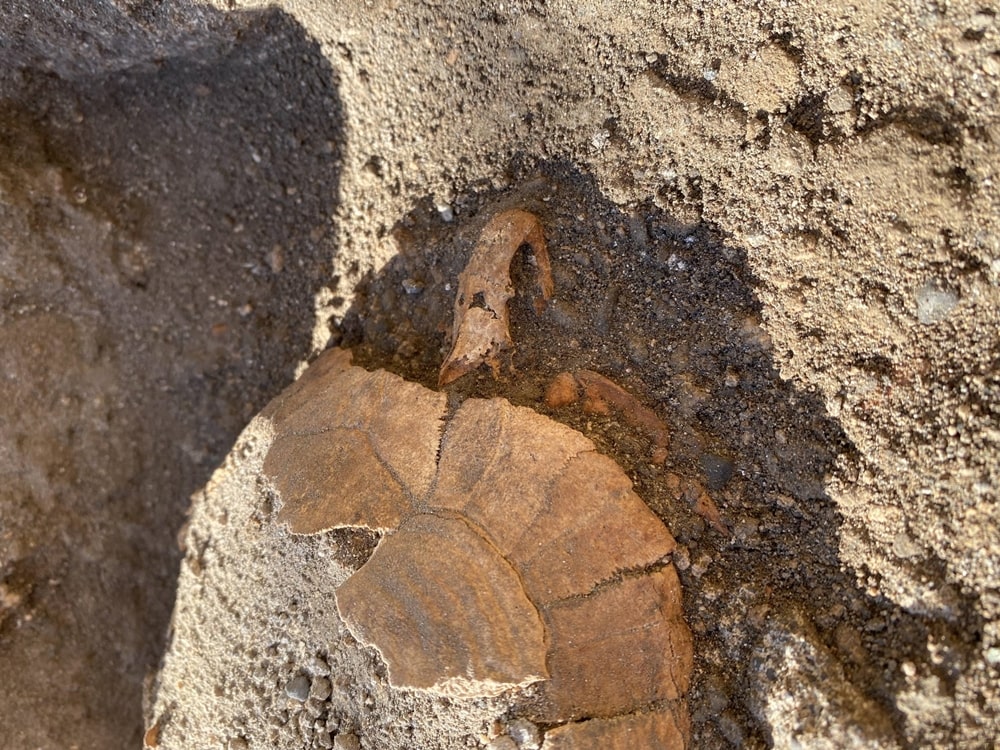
{"x": 774, "y": 223}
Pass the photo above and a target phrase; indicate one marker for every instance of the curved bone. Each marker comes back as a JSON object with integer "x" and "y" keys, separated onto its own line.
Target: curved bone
{"x": 481, "y": 329}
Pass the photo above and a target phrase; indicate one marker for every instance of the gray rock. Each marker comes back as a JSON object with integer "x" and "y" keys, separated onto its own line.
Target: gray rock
{"x": 298, "y": 688}
{"x": 526, "y": 734}
{"x": 801, "y": 698}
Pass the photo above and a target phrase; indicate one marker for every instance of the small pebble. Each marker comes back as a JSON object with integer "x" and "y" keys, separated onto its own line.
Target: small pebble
{"x": 237, "y": 743}
{"x": 314, "y": 707}
{"x": 316, "y": 666}
{"x": 840, "y": 99}
{"x": 276, "y": 259}
{"x": 784, "y": 501}
{"x": 903, "y": 546}
{"x": 446, "y": 212}
{"x": 320, "y": 689}
{"x": 298, "y": 688}
{"x": 347, "y": 741}
{"x": 718, "y": 470}
{"x": 993, "y": 655}
{"x": 934, "y": 303}
{"x": 525, "y": 734}
{"x": 599, "y": 140}
{"x": 503, "y": 742}
{"x": 412, "y": 286}
{"x": 875, "y": 625}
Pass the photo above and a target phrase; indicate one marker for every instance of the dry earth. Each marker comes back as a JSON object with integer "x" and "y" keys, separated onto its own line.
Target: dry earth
{"x": 776, "y": 223}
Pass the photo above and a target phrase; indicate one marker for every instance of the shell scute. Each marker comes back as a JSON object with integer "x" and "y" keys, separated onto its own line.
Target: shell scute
{"x": 352, "y": 448}
{"x": 445, "y": 610}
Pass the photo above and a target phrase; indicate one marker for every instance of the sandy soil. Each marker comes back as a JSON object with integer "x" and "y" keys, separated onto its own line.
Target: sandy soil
{"x": 776, "y": 223}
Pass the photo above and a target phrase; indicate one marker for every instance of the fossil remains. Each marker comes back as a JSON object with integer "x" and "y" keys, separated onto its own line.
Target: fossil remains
{"x": 512, "y": 553}
{"x": 481, "y": 330}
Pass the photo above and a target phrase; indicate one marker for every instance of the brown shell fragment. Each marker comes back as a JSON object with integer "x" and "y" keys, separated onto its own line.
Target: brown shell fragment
{"x": 563, "y": 390}
{"x": 636, "y": 621}
{"x": 663, "y": 730}
{"x": 702, "y": 503}
{"x": 595, "y": 528}
{"x": 514, "y": 553}
{"x": 705, "y": 507}
{"x": 352, "y": 448}
{"x": 334, "y": 476}
{"x": 562, "y": 513}
{"x": 445, "y": 610}
{"x": 481, "y": 329}
{"x": 601, "y": 396}
{"x": 314, "y": 380}
{"x": 151, "y": 739}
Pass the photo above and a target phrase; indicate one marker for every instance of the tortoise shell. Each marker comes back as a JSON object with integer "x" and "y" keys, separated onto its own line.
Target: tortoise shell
{"x": 512, "y": 552}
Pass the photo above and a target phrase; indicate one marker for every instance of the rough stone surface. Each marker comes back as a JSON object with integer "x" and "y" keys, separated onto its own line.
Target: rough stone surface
{"x": 800, "y": 695}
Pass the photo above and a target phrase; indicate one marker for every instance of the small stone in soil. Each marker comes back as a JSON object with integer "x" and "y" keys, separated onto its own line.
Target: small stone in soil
{"x": 347, "y": 742}
{"x": 525, "y": 734}
{"x": 298, "y": 688}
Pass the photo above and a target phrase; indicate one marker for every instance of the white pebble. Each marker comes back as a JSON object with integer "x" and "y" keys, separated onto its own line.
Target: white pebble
{"x": 525, "y": 734}
{"x": 934, "y": 304}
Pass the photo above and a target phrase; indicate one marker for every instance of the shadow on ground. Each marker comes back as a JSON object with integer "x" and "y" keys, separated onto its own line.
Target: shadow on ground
{"x": 165, "y": 227}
